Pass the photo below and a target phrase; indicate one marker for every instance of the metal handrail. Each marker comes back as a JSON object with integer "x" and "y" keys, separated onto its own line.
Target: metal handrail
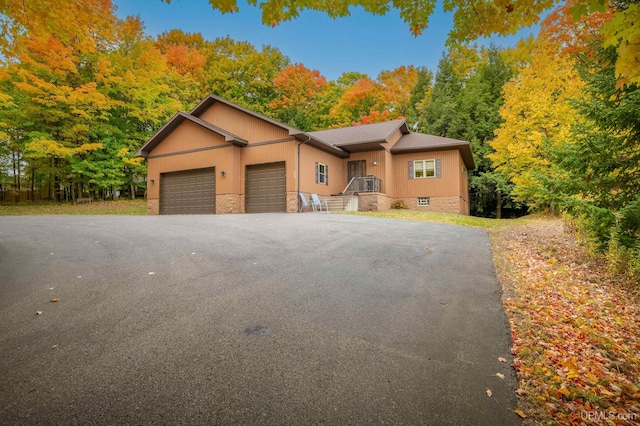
{"x": 363, "y": 184}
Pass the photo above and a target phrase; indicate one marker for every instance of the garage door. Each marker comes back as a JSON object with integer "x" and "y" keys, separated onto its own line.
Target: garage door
{"x": 265, "y": 188}
{"x": 188, "y": 192}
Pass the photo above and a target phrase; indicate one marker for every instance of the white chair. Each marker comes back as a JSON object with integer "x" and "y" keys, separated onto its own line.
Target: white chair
{"x": 317, "y": 204}
{"x": 303, "y": 203}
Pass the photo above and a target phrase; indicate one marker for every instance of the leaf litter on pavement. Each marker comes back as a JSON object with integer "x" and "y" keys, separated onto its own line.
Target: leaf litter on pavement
{"x": 575, "y": 329}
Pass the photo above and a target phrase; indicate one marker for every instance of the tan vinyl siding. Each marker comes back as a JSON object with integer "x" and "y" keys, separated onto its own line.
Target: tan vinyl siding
{"x": 370, "y": 157}
{"x": 389, "y": 167}
{"x": 270, "y": 153}
{"x": 464, "y": 187}
{"x": 242, "y": 124}
{"x": 222, "y": 159}
{"x": 337, "y": 171}
{"x": 188, "y": 136}
{"x": 447, "y": 185}
{"x": 393, "y": 139}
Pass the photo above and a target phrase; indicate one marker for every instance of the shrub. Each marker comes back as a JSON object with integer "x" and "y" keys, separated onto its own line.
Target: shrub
{"x": 399, "y": 204}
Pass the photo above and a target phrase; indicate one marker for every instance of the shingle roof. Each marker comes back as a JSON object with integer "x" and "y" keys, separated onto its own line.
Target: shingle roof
{"x": 362, "y": 137}
{"x": 376, "y": 132}
{"x": 415, "y": 142}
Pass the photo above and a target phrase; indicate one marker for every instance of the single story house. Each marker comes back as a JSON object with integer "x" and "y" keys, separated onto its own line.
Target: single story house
{"x": 224, "y": 158}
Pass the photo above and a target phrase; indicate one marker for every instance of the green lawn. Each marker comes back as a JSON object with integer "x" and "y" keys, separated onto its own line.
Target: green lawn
{"x": 450, "y": 218}
{"x": 28, "y": 208}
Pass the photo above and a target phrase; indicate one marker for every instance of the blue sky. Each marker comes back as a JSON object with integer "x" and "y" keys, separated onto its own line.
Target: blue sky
{"x": 361, "y": 42}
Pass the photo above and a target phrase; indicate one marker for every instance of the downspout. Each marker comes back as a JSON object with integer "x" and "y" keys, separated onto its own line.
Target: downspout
{"x": 299, "y": 144}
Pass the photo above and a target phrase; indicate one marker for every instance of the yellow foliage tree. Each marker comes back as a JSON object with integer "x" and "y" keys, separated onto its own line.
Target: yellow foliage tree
{"x": 537, "y": 118}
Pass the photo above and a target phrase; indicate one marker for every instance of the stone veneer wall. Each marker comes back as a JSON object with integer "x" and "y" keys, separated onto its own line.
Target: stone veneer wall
{"x": 292, "y": 202}
{"x": 373, "y": 201}
{"x": 436, "y": 204}
{"x": 153, "y": 206}
{"x": 228, "y": 203}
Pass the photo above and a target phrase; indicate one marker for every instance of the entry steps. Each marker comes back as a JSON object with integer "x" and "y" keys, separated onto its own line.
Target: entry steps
{"x": 342, "y": 203}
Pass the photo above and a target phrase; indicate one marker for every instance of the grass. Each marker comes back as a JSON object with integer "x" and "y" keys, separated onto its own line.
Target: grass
{"x": 450, "y": 218}
{"x": 37, "y": 208}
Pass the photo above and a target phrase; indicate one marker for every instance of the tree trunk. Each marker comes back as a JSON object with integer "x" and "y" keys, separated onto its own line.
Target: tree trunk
{"x": 498, "y": 205}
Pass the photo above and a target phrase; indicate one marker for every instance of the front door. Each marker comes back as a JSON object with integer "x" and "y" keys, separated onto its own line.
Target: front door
{"x": 356, "y": 169}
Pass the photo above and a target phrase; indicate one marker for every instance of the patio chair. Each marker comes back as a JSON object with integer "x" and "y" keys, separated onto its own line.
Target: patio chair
{"x": 317, "y": 204}
{"x": 303, "y": 203}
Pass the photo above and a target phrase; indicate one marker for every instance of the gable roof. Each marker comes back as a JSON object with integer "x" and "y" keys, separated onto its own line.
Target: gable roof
{"x": 295, "y": 133}
{"x": 339, "y": 142}
{"x": 420, "y": 142}
{"x": 176, "y": 121}
{"x": 212, "y": 99}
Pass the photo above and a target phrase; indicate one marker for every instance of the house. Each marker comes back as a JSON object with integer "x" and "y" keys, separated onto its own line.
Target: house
{"x": 224, "y": 158}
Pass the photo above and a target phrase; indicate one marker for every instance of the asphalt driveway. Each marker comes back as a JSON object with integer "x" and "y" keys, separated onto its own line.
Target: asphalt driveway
{"x": 250, "y": 319}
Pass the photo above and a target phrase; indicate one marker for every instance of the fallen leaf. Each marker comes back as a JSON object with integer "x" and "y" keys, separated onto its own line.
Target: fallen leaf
{"x": 54, "y": 346}
{"x": 50, "y": 288}
{"x": 500, "y": 375}
{"x": 501, "y": 359}
{"x": 521, "y": 391}
{"x": 54, "y": 300}
{"x": 152, "y": 273}
{"x": 520, "y": 413}
{"x": 38, "y": 312}
{"x": 489, "y": 393}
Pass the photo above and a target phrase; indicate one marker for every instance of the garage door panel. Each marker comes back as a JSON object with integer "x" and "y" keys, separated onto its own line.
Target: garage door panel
{"x": 265, "y": 190}
{"x": 188, "y": 192}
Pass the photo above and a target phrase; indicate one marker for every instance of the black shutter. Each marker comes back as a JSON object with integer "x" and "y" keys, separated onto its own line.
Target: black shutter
{"x": 326, "y": 175}
{"x": 317, "y": 172}
{"x": 410, "y": 169}
{"x": 438, "y": 168}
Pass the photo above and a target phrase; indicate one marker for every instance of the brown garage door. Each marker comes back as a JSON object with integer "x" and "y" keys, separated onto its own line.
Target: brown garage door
{"x": 265, "y": 188}
{"x": 188, "y": 192}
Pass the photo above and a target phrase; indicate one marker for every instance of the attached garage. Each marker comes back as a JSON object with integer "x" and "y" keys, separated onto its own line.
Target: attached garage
{"x": 265, "y": 188}
{"x": 188, "y": 192}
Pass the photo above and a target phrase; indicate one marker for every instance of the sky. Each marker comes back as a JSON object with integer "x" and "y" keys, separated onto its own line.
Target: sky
{"x": 361, "y": 42}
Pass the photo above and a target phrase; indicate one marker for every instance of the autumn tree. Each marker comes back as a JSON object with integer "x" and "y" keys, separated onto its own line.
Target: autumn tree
{"x": 473, "y": 20}
{"x": 301, "y": 98}
{"x": 464, "y": 104}
{"x": 537, "y": 117}
{"x": 237, "y": 71}
{"x": 368, "y": 101}
{"x": 81, "y": 95}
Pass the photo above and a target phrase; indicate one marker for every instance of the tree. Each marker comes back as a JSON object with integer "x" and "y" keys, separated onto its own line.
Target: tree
{"x": 464, "y": 104}
{"x": 299, "y": 101}
{"x": 472, "y": 19}
{"x": 238, "y": 72}
{"x": 436, "y": 117}
{"x": 537, "y": 118}
{"x": 602, "y": 183}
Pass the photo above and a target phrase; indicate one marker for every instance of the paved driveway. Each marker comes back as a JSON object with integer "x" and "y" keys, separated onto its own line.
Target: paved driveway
{"x": 250, "y": 319}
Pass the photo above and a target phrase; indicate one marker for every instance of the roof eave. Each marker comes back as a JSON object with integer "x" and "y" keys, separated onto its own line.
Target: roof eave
{"x": 319, "y": 143}
{"x": 176, "y": 121}
{"x": 211, "y": 99}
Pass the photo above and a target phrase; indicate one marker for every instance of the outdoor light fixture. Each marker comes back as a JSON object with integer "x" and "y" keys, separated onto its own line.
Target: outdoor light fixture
{"x": 375, "y": 163}
{"x": 153, "y": 180}
{"x": 223, "y": 173}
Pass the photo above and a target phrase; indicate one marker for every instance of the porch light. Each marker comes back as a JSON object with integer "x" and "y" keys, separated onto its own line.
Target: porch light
{"x": 223, "y": 173}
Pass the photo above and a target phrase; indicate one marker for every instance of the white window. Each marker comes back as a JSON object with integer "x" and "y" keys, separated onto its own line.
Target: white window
{"x": 423, "y": 201}
{"x": 322, "y": 174}
{"x": 424, "y": 168}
